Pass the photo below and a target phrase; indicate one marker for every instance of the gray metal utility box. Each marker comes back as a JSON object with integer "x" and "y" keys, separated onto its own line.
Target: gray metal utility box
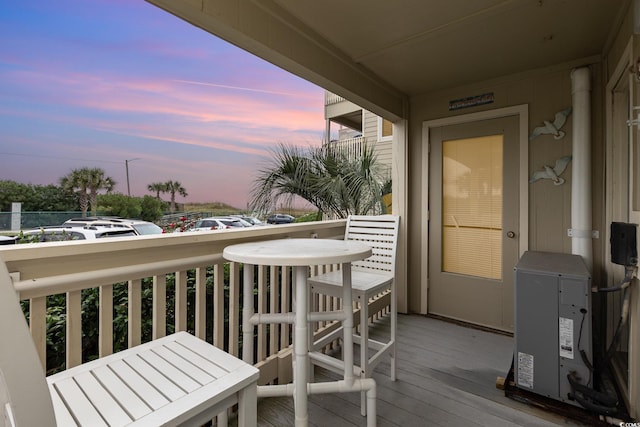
{"x": 552, "y": 323}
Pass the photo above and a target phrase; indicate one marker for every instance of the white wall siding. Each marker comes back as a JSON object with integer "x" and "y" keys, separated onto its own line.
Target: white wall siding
{"x": 370, "y": 132}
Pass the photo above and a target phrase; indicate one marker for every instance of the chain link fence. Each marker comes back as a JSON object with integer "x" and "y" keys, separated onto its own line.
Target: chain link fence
{"x": 35, "y": 219}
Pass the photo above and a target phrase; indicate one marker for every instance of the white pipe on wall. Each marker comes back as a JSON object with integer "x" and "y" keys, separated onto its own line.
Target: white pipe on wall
{"x": 581, "y": 221}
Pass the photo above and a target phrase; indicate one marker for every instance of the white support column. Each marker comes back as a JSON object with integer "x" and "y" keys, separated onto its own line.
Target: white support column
{"x": 300, "y": 349}
{"x": 581, "y": 221}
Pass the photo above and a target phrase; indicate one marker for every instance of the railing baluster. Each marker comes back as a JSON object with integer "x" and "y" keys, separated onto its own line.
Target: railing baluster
{"x": 74, "y": 329}
{"x": 105, "y": 320}
{"x": 234, "y": 308}
{"x": 335, "y": 303}
{"x": 218, "y": 305}
{"x": 134, "y": 310}
{"x": 320, "y": 300}
{"x": 181, "y": 301}
{"x": 285, "y": 305}
{"x": 262, "y": 308}
{"x": 38, "y": 327}
{"x": 159, "y": 308}
{"x": 274, "y": 286}
{"x": 201, "y": 303}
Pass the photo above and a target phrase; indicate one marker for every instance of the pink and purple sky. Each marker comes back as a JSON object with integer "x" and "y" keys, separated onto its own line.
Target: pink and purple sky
{"x": 92, "y": 83}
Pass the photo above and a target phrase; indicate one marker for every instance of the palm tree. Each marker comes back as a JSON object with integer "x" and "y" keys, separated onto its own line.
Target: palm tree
{"x": 98, "y": 181}
{"x": 77, "y": 181}
{"x": 86, "y": 183}
{"x": 285, "y": 178}
{"x": 327, "y": 177}
{"x": 173, "y": 187}
{"x": 157, "y": 187}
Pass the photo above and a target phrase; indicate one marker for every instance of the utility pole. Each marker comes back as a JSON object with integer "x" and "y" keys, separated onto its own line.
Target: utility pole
{"x": 126, "y": 166}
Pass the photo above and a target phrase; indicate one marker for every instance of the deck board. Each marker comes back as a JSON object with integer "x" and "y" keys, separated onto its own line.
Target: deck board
{"x": 446, "y": 377}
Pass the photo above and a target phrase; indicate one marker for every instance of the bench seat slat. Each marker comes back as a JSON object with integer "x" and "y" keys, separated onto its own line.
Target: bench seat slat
{"x": 126, "y": 397}
{"x": 193, "y": 357}
{"x": 143, "y": 387}
{"x": 63, "y": 416}
{"x": 169, "y": 371}
{"x": 102, "y": 400}
{"x": 81, "y": 408}
{"x": 157, "y": 379}
{"x": 180, "y": 362}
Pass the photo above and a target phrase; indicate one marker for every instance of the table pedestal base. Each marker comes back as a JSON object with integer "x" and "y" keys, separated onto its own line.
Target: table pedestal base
{"x": 366, "y": 385}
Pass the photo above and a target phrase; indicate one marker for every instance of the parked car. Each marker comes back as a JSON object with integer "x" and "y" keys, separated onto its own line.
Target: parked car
{"x": 138, "y": 226}
{"x": 280, "y": 219}
{"x": 60, "y": 234}
{"x": 250, "y": 219}
{"x": 7, "y": 240}
{"x": 219, "y": 223}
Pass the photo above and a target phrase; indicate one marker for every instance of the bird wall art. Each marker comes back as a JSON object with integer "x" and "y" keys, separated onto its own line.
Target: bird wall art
{"x": 552, "y": 173}
{"x": 552, "y": 128}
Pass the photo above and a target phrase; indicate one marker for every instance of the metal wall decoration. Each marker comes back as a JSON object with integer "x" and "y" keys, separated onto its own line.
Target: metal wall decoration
{"x": 552, "y": 173}
{"x": 552, "y": 128}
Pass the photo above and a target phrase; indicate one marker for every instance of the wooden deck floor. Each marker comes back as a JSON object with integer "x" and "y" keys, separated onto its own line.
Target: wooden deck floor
{"x": 446, "y": 377}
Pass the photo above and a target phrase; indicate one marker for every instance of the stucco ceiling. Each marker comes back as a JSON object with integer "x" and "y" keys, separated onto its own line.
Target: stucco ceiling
{"x": 418, "y": 46}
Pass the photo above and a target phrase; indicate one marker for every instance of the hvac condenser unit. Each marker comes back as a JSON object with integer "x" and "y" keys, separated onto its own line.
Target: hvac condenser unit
{"x": 552, "y": 323}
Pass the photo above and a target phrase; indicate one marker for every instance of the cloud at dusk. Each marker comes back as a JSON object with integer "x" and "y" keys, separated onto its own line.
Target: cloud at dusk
{"x": 96, "y": 83}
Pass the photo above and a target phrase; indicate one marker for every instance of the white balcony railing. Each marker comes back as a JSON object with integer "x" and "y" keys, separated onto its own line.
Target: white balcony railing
{"x": 194, "y": 263}
{"x": 353, "y": 147}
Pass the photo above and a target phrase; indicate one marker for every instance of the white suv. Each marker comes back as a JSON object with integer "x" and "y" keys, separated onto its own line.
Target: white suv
{"x": 219, "y": 223}
{"x": 138, "y": 226}
{"x": 62, "y": 234}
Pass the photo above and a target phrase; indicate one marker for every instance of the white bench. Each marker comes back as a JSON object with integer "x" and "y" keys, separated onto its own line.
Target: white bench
{"x": 175, "y": 380}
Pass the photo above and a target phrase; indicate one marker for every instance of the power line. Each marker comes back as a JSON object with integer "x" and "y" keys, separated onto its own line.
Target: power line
{"x": 59, "y": 158}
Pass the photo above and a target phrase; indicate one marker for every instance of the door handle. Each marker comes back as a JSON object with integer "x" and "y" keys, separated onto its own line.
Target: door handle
{"x": 511, "y": 234}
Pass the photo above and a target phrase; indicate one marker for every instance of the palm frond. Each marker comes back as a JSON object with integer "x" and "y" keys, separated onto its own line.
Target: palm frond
{"x": 334, "y": 181}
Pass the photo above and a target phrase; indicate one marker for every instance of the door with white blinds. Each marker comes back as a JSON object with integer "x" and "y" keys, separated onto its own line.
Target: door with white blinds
{"x": 473, "y": 241}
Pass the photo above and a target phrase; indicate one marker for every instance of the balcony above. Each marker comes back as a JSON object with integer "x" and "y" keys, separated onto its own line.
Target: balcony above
{"x": 343, "y": 112}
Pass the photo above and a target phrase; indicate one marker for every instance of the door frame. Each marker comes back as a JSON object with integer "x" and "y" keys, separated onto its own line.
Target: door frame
{"x": 522, "y": 112}
{"x": 629, "y": 386}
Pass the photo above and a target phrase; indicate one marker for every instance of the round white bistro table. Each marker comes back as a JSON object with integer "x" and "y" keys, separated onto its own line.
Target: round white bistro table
{"x": 300, "y": 254}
